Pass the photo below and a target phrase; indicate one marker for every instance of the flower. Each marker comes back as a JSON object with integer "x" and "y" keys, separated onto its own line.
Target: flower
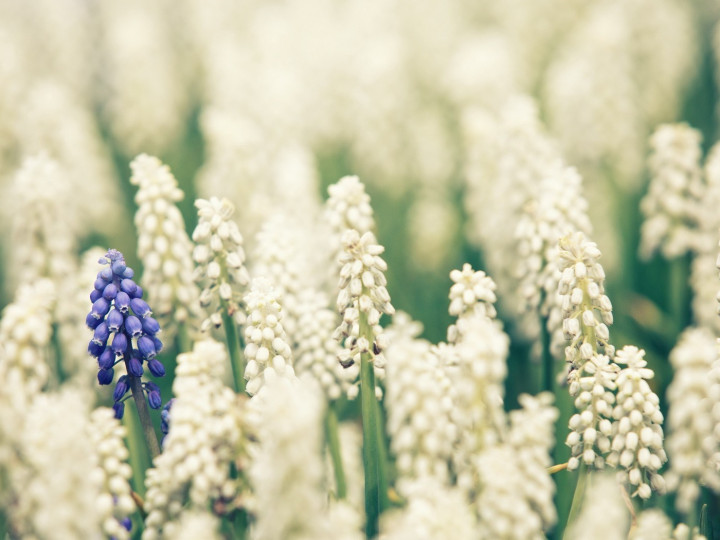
{"x": 671, "y": 206}
{"x": 163, "y": 245}
{"x": 362, "y": 299}
{"x": 118, "y": 310}
{"x": 637, "y": 444}
{"x": 693, "y": 417}
{"x": 267, "y": 351}
{"x": 220, "y": 259}
{"x": 204, "y": 438}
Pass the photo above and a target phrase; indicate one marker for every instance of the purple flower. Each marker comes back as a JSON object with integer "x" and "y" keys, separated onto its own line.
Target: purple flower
{"x": 115, "y": 320}
{"x": 156, "y": 367}
{"x": 121, "y": 388}
{"x": 119, "y": 312}
{"x": 119, "y": 408}
{"x": 146, "y": 347}
{"x": 134, "y": 366}
{"x": 150, "y": 326}
{"x": 119, "y": 344}
{"x": 105, "y": 376}
{"x": 106, "y": 360}
{"x": 140, "y": 307}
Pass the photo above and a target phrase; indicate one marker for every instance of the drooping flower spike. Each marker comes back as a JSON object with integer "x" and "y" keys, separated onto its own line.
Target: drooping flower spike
{"x": 123, "y": 330}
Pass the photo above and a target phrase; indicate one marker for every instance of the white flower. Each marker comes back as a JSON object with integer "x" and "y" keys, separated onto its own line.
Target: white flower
{"x": 419, "y": 402}
{"x": 671, "y": 206}
{"x": 363, "y": 298}
{"x": 433, "y": 511}
{"x": 25, "y": 332}
{"x": 115, "y": 503}
{"x": 145, "y": 104}
{"x": 586, "y": 310}
{"x": 652, "y": 524}
{"x": 637, "y": 442}
{"x": 220, "y": 258}
{"x": 693, "y": 418}
{"x": 316, "y": 351}
{"x": 205, "y": 437}
{"x": 163, "y": 245}
{"x": 348, "y": 206}
{"x": 267, "y": 351}
{"x": 477, "y": 366}
{"x": 286, "y": 469}
{"x": 59, "y": 485}
{"x": 603, "y": 514}
{"x": 592, "y": 385}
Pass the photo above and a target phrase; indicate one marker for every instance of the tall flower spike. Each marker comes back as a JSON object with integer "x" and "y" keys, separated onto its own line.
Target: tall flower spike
{"x": 123, "y": 331}
{"x": 106, "y": 434}
{"x": 671, "y": 206}
{"x": 586, "y": 310}
{"x": 637, "y": 444}
{"x": 59, "y": 486}
{"x": 433, "y": 510}
{"x": 25, "y": 333}
{"x": 348, "y": 206}
{"x": 267, "y": 351}
{"x": 204, "y": 439}
{"x": 603, "y": 515}
{"x": 531, "y": 436}
{"x": 419, "y": 405}
{"x": 363, "y": 296}
{"x": 287, "y": 470}
{"x": 472, "y": 292}
{"x": 163, "y": 245}
{"x": 220, "y": 257}
{"x": 694, "y": 417}
{"x": 43, "y": 227}
{"x": 316, "y": 352}
{"x": 557, "y": 209}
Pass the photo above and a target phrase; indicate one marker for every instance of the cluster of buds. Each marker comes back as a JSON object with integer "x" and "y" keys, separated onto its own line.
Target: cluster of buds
{"x": 363, "y": 295}
{"x": 123, "y": 330}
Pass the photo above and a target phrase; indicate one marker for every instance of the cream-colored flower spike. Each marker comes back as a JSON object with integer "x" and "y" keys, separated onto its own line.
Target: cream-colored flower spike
{"x": 363, "y": 298}
{"x": 419, "y": 402}
{"x": 694, "y": 417}
{"x": 671, "y": 206}
{"x": 472, "y": 292}
{"x": 220, "y": 257}
{"x": 115, "y": 503}
{"x": 163, "y": 245}
{"x": 267, "y": 350}
{"x": 586, "y": 313}
{"x": 637, "y": 444}
{"x": 25, "y": 333}
{"x": 204, "y": 439}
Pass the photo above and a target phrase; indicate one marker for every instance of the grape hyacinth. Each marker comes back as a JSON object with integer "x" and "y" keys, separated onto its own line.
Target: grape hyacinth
{"x": 123, "y": 330}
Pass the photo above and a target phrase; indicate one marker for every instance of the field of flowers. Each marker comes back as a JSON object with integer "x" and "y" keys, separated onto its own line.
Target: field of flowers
{"x": 346, "y": 269}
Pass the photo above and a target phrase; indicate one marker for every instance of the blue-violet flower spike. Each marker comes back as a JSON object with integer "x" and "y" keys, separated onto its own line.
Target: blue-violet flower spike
{"x": 123, "y": 330}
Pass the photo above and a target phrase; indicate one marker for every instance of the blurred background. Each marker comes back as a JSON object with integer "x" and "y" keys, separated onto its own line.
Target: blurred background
{"x": 429, "y": 103}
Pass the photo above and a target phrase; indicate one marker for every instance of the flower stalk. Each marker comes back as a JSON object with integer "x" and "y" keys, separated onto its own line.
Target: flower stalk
{"x": 233, "y": 345}
{"x": 333, "y": 442}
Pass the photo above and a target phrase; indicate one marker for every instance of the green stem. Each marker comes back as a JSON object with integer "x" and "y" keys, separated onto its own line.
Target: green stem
{"x": 375, "y": 487}
{"x": 679, "y": 289}
{"x": 184, "y": 342}
{"x": 143, "y": 413}
{"x": 239, "y": 524}
{"x": 57, "y": 350}
{"x": 233, "y": 345}
{"x": 548, "y": 362}
{"x": 579, "y": 495}
{"x": 333, "y": 442}
{"x": 139, "y": 459}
